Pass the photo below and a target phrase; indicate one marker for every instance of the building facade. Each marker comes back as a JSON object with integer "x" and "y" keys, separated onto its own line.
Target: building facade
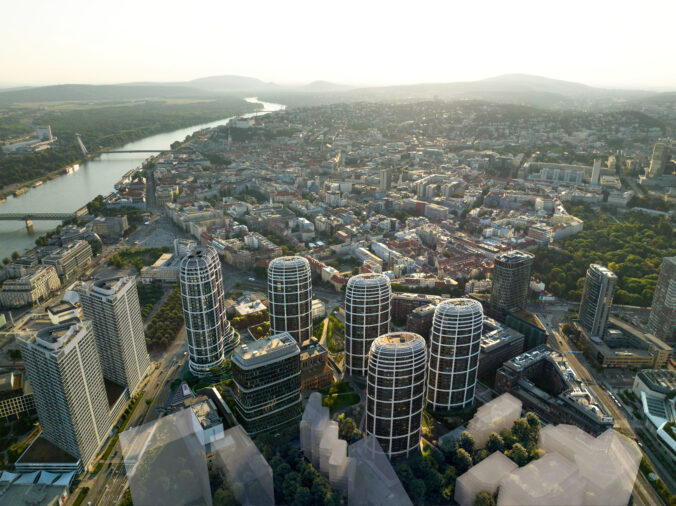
{"x": 662, "y": 319}
{"x": 62, "y": 365}
{"x": 455, "y": 343}
{"x": 290, "y": 297}
{"x": 209, "y": 334}
{"x": 597, "y": 298}
{"x": 511, "y": 280}
{"x": 266, "y": 381}
{"x": 395, "y": 392}
{"x": 113, "y": 307}
{"x": 367, "y": 316}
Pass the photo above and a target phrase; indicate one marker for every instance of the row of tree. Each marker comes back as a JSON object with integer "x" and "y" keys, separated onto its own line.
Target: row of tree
{"x": 166, "y": 323}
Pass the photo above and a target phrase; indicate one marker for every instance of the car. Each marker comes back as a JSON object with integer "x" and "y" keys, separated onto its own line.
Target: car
{"x": 252, "y": 279}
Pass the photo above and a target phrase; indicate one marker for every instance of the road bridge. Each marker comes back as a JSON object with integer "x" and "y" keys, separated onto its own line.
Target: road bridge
{"x": 28, "y": 218}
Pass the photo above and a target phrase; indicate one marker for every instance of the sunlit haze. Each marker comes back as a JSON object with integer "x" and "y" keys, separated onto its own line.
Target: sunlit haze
{"x": 601, "y": 43}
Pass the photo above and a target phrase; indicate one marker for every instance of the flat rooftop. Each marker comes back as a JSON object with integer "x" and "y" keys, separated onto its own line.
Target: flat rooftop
{"x": 42, "y": 451}
{"x": 265, "y": 349}
{"x": 113, "y": 391}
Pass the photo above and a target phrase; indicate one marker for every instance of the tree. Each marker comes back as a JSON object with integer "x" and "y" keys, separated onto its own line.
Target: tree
{"x": 466, "y": 442}
{"x": 463, "y": 461}
{"x": 483, "y": 499}
{"x": 507, "y": 438}
{"x": 15, "y": 255}
{"x": 495, "y": 443}
{"x": 518, "y": 454}
{"x": 448, "y": 447}
{"x": 303, "y": 497}
{"x": 417, "y": 491}
{"x": 534, "y": 426}
{"x": 6, "y": 260}
{"x": 521, "y": 430}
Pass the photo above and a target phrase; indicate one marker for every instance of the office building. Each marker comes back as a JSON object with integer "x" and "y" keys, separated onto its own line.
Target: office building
{"x": 367, "y": 316}
{"x": 663, "y": 313}
{"x": 113, "y": 308}
{"x": 597, "y": 297}
{"x": 209, "y": 334}
{"x": 70, "y": 259}
{"x": 63, "y": 367}
{"x": 266, "y": 382}
{"x": 455, "y": 343}
{"x": 511, "y": 280}
{"x": 395, "y": 392}
{"x": 290, "y": 297}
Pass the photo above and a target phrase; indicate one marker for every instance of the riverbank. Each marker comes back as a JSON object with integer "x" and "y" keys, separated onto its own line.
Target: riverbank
{"x": 106, "y": 128}
{"x": 62, "y": 193}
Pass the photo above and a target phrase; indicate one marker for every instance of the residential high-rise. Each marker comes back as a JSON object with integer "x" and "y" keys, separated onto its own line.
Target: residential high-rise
{"x": 597, "y": 298}
{"x": 511, "y": 280}
{"x": 662, "y": 319}
{"x": 113, "y": 307}
{"x": 290, "y": 297}
{"x": 395, "y": 392}
{"x": 659, "y": 160}
{"x": 367, "y": 316}
{"x": 266, "y": 382}
{"x": 385, "y": 179}
{"x": 209, "y": 334}
{"x": 596, "y": 171}
{"x": 62, "y": 365}
{"x": 455, "y": 343}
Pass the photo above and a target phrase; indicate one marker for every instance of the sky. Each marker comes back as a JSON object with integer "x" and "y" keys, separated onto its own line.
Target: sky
{"x": 614, "y": 44}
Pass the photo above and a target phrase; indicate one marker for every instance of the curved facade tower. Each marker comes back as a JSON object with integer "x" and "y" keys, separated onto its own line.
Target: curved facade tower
{"x": 367, "y": 316}
{"x": 290, "y": 297}
{"x": 395, "y": 392}
{"x": 209, "y": 334}
{"x": 455, "y": 342}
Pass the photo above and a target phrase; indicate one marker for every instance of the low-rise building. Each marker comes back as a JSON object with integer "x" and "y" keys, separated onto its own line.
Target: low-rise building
{"x": 70, "y": 259}
{"x": 31, "y": 288}
{"x": 546, "y": 384}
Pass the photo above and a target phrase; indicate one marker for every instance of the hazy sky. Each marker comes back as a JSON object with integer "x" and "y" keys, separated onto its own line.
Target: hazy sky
{"x": 598, "y": 42}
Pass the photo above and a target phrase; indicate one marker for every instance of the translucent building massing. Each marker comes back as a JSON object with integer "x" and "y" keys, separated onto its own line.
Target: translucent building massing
{"x": 455, "y": 343}
{"x": 208, "y": 331}
{"x": 395, "y": 392}
{"x": 165, "y": 461}
{"x": 494, "y": 416}
{"x": 367, "y": 316}
{"x": 290, "y": 297}
{"x": 483, "y": 477}
{"x": 371, "y": 478}
{"x": 249, "y": 474}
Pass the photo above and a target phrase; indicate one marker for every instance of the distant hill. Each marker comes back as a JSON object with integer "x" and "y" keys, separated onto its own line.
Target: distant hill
{"x": 88, "y": 92}
{"x": 511, "y": 88}
{"x": 229, "y": 82}
{"x": 521, "y": 89}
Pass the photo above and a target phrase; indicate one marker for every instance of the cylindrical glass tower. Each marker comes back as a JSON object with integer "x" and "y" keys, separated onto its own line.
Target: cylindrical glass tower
{"x": 367, "y": 316}
{"x": 290, "y": 297}
{"x": 209, "y": 334}
{"x": 455, "y": 342}
{"x": 395, "y": 392}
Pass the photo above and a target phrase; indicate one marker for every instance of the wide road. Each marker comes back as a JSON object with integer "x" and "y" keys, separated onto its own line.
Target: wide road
{"x": 643, "y": 491}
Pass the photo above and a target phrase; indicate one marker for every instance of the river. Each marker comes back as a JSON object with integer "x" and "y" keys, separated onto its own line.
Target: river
{"x": 97, "y": 176}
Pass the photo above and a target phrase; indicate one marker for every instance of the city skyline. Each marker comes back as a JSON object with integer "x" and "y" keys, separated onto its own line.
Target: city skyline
{"x": 112, "y": 47}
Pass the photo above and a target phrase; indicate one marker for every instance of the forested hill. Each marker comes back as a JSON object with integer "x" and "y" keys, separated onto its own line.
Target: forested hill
{"x": 633, "y": 248}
